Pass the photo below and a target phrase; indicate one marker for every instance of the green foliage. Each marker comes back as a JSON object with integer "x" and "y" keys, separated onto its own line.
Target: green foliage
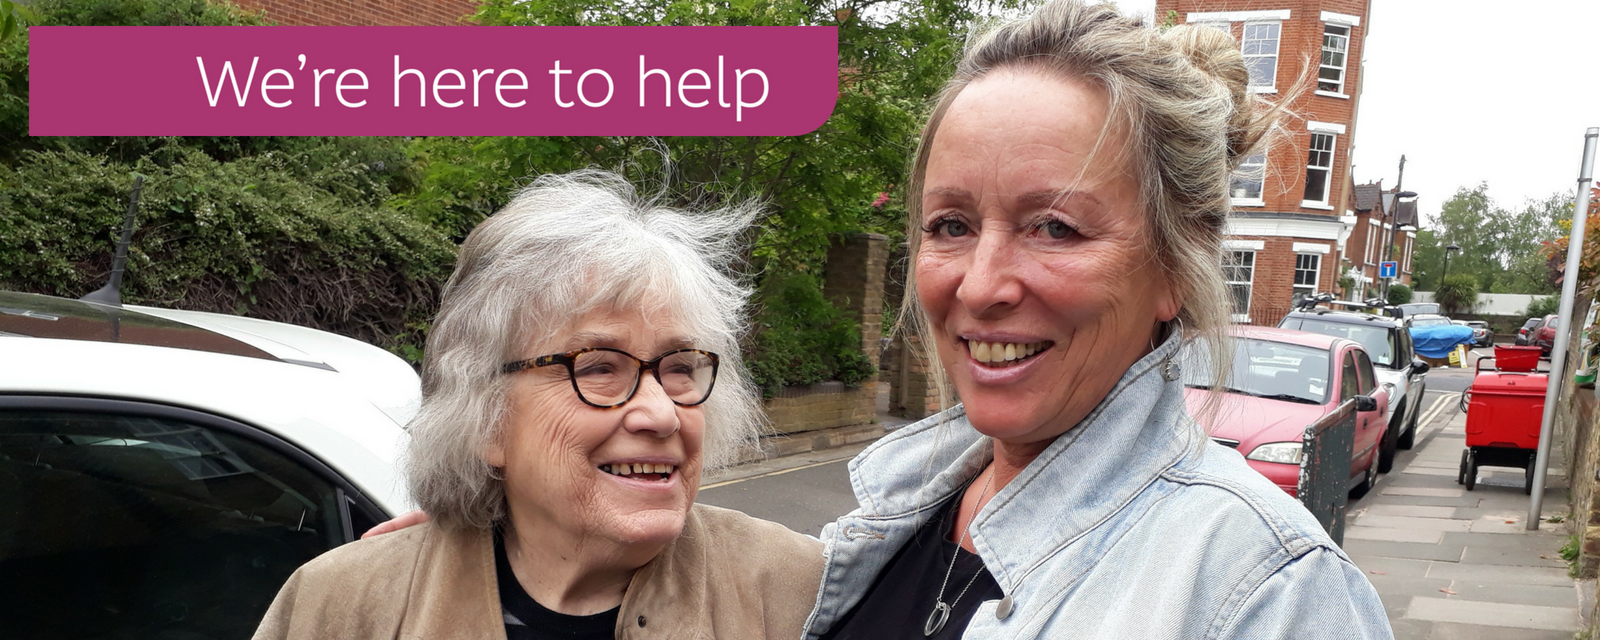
{"x": 1541, "y": 307}
{"x": 1499, "y": 246}
{"x": 1571, "y": 553}
{"x": 257, "y": 236}
{"x": 1399, "y": 294}
{"x": 1458, "y": 294}
{"x": 802, "y": 339}
{"x": 289, "y": 229}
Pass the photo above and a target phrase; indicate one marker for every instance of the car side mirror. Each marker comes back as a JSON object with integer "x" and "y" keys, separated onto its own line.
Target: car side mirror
{"x": 1366, "y": 403}
{"x": 1418, "y": 366}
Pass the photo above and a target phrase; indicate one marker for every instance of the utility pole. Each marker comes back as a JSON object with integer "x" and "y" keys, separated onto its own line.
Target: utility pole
{"x": 1388, "y": 247}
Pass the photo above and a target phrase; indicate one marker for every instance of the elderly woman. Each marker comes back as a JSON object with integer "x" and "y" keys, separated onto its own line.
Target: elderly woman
{"x": 582, "y": 372}
{"x": 1066, "y": 211}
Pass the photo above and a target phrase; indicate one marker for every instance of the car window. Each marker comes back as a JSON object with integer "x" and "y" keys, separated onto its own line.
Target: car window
{"x": 1553, "y": 323}
{"x": 1369, "y": 384}
{"x": 1349, "y": 381}
{"x": 1378, "y": 340}
{"x": 142, "y": 527}
{"x": 1264, "y": 369}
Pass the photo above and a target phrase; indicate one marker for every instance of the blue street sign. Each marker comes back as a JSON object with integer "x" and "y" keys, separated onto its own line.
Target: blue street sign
{"x": 1387, "y": 269}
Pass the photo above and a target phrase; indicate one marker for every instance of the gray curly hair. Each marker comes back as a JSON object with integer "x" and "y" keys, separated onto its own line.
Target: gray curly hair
{"x": 565, "y": 245}
{"x": 1180, "y": 96}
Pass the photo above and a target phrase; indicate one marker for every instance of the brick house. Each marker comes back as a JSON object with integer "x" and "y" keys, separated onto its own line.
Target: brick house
{"x": 363, "y": 12}
{"x": 1378, "y": 214}
{"x": 1291, "y": 215}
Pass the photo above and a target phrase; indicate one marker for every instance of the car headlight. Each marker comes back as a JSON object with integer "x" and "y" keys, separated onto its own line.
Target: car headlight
{"x": 1279, "y": 452}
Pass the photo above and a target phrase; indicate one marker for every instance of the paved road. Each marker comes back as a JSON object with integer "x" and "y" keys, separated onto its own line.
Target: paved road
{"x": 806, "y": 498}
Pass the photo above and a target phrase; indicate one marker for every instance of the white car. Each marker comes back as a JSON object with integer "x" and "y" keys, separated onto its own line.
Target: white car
{"x": 163, "y": 472}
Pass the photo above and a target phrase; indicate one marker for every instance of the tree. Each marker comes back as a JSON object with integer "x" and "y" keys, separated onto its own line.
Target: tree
{"x": 1500, "y": 247}
{"x": 1541, "y": 307}
{"x": 1458, "y": 294}
{"x": 1589, "y": 260}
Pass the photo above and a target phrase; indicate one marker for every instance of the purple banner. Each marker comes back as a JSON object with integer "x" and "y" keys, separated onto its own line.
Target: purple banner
{"x": 523, "y": 81}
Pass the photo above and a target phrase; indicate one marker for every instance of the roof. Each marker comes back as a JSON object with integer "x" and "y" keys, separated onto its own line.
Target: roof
{"x": 1286, "y": 336}
{"x": 1347, "y": 317}
{"x": 1367, "y": 196}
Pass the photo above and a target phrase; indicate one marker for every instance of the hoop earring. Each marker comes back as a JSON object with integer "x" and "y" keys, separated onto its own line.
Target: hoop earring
{"x": 1169, "y": 367}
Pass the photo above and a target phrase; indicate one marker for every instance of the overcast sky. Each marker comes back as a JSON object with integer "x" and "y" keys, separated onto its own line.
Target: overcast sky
{"x": 1474, "y": 91}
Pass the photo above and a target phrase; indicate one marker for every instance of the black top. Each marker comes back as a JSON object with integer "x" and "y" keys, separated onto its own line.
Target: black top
{"x": 528, "y": 620}
{"x": 905, "y": 593}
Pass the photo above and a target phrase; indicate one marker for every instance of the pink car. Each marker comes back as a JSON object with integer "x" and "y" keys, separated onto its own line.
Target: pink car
{"x": 1283, "y": 381}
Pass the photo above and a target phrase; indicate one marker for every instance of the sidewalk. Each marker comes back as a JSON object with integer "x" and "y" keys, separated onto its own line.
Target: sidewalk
{"x": 1451, "y": 563}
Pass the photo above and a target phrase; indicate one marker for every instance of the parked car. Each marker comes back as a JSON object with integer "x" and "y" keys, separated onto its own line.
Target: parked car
{"x": 1282, "y": 381}
{"x": 1544, "y": 335}
{"x": 1413, "y": 308}
{"x": 1427, "y": 320}
{"x": 163, "y": 472}
{"x": 1481, "y": 336}
{"x": 1527, "y": 328}
{"x": 1387, "y": 341}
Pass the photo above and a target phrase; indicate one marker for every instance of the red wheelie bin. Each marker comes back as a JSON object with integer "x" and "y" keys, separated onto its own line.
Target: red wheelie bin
{"x": 1504, "y": 412}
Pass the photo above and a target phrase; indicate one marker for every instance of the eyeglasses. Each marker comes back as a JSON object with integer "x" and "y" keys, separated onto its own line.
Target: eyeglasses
{"x": 608, "y": 378}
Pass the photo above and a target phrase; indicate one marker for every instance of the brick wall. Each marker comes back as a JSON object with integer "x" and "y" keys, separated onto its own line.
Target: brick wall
{"x": 1272, "y": 285}
{"x": 363, "y": 12}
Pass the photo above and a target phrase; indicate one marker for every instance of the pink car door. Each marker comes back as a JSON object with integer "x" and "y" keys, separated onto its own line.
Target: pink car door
{"x": 1370, "y": 423}
{"x": 1350, "y": 387}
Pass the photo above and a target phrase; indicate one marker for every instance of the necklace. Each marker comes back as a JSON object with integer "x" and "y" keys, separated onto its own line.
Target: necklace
{"x": 941, "y": 611}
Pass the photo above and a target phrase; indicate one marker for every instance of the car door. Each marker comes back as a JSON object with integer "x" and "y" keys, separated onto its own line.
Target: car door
{"x": 1350, "y": 387}
{"x": 138, "y": 520}
{"x": 1370, "y": 424}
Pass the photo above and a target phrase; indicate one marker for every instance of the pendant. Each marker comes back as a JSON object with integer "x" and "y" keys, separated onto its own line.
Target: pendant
{"x": 936, "y": 619}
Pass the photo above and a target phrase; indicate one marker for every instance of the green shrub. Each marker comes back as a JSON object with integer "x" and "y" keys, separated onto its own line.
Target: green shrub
{"x": 802, "y": 339}
{"x": 1399, "y": 294}
{"x": 1541, "y": 307}
{"x": 261, "y": 235}
{"x": 1458, "y": 293}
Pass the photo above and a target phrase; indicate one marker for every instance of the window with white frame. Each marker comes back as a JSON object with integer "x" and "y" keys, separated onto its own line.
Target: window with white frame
{"x": 1238, "y": 269}
{"x": 1307, "y": 266}
{"x": 1372, "y": 241}
{"x": 1319, "y": 168}
{"x": 1245, "y": 185}
{"x": 1260, "y": 48}
{"x": 1335, "y": 46}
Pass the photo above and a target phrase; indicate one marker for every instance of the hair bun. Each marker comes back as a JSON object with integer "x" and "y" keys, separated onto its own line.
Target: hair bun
{"x": 1216, "y": 53}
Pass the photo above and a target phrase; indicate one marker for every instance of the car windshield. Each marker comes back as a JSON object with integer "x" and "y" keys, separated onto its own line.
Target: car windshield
{"x": 1429, "y": 322}
{"x": 1264, "y": 369}
{"x": 1377, "y": 340}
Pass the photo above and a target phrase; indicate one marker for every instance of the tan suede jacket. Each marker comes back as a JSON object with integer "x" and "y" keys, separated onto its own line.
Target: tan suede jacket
{"x": 729, "y": 576}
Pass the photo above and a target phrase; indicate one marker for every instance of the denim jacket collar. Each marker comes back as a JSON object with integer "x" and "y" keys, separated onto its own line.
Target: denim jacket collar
{"x": 1097, "y": 467}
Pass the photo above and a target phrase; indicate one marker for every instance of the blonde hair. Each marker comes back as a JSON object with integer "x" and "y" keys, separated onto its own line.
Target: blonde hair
{"x": 1181, "y": 98}
{"x": 563, "y": 246}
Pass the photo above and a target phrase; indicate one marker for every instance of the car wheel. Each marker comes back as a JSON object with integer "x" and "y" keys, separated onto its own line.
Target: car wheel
{"x": 1370, "y": 478}
{"x": 1386, "y": 448}
{"x": 1408, "y": 437}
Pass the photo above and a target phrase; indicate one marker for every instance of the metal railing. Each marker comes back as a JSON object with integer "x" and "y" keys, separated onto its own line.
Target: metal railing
{"x": 1325, "y": 454}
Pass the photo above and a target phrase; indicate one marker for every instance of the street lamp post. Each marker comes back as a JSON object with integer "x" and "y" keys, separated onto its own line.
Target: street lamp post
{"x": 1448, "y": 249}
{"x": 1394, "y": 225}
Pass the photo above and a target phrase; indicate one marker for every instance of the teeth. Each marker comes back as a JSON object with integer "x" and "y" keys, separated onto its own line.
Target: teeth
{"x": 1002, "y": 351}
{"x": 631, "y": 469}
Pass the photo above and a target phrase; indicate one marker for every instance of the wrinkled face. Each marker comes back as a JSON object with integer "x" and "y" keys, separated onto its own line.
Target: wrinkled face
{"x": 1033, "y": 265}
{"x": 594, "y": 472}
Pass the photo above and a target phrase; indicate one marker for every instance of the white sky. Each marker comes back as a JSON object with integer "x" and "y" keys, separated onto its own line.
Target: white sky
{"x": 1475, "y": 91}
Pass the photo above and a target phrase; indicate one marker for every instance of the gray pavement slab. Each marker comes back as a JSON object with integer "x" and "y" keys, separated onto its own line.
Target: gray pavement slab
{"x": 1415, "y": 524}
{"x": 1454, "y": 631}
{"x": 1377, "y": 566}
{"x": 1494, "y": 614}
{"x": 1502, "y": 574}
{"x": 1411, "y": 550}
{"x": 1545, "y": 596}
{"x": 1414, "y": 511}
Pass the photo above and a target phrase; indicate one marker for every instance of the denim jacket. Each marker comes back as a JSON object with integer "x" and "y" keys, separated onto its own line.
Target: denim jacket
{"x": 1131, "y": 525}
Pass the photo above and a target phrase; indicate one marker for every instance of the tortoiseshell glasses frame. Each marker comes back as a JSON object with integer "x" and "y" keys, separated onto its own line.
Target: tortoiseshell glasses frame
{"x": 689, "y": 392}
